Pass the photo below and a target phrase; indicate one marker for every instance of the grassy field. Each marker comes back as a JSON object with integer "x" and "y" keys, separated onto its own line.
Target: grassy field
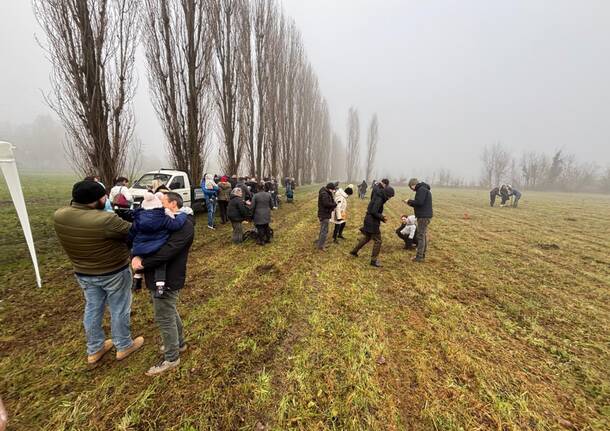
{"x": 505, "y": 327}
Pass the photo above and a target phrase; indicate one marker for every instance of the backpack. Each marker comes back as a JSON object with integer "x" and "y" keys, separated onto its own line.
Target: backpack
{"x": 120, "y": 200}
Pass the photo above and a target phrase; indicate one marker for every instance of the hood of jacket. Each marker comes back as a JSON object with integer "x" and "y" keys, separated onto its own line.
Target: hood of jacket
{"x": 148, "y": 220}
{"x": 380, "y": 192}
{"x": 340, "y": 192}
{"x": 422, "y": 184}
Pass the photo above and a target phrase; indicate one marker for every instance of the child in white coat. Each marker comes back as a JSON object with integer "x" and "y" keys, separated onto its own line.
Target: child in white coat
{"x": 406, "y": 231}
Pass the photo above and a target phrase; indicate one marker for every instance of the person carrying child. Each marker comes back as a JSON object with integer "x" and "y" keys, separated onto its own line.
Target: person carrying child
{"x": 406, "y": 231}
{"x": 149, "y": 231}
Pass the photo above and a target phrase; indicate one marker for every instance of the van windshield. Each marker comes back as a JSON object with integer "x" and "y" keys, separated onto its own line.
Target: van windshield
{"x": 147, "y": 180}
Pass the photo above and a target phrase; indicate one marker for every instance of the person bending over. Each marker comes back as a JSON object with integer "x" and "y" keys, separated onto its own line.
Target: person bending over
{"x": 407, "y": 230}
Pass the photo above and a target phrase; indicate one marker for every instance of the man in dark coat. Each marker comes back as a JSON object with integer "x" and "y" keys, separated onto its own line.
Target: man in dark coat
{"x": 422, "y": 205}
{"x": 326, "y": 205}
{"x": 238, "y": 212}
{"x": 504, "y": 194}
{"x": 246, "y": 194}
{"x": 362, "y": 189}
{"x": 493, "y": 194}
{"x": 252, "y": 185}
{"x": 174, "y": 254}
{"x": 372, "y": 221}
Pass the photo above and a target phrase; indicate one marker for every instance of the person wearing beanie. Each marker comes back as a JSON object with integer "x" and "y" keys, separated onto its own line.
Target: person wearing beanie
{"x": 95, "y": 242}
{"x": 224, "y": 194}
{"x": 151, "y": 228}
{"x": 326, "y": 206}
{"x": 373, "y": 219}
{"x": 422, "y": 206}
{"x": 339, "y": 215}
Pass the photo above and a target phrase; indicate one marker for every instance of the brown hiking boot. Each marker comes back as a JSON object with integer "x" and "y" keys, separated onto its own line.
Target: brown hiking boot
{"x": 137, "y": 343}
{"x": 93, "y": 359}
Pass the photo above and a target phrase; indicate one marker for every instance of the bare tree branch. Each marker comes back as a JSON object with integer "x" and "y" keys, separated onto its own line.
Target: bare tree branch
{"x": 91, "y": 45}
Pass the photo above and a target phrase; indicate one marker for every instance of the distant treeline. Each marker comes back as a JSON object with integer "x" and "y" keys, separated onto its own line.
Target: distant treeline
{"x": 530, "y": 170}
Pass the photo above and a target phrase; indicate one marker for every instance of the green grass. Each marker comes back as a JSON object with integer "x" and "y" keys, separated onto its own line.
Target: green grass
{"x": 495, "y": 331}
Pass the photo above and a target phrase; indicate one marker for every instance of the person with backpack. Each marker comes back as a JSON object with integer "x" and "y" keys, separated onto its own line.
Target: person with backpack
{"x": 119, "y": 194}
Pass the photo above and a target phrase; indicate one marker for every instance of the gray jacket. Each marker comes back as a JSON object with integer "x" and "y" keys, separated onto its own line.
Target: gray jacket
{"x": 261, "y": 208}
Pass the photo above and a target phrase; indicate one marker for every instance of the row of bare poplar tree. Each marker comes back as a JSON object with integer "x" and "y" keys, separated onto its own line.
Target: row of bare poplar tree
{"x": 353, "y": 146}
{"x": 233, "y": 71}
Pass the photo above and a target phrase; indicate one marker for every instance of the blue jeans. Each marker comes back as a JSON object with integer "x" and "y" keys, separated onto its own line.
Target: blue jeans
{"x": 115, "y": 290}
{"x": 211, "y": 207}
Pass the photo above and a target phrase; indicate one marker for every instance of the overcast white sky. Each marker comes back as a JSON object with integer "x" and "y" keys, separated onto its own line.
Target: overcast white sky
{"x": 445, "y": 77}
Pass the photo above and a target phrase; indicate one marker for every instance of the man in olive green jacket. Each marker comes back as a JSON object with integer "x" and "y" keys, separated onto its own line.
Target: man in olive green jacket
{"x": 94, "y": 240}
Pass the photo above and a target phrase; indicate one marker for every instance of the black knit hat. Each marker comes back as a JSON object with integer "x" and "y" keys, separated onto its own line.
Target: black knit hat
{"x": 87, "y": 192}
{"x": 331, "y": 186}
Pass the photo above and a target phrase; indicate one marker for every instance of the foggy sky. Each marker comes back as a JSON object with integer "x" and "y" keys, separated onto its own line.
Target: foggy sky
{"x": 445, "y": 77}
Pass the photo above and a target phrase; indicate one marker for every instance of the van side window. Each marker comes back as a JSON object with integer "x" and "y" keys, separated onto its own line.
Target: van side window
{"x": 177, "y": 183}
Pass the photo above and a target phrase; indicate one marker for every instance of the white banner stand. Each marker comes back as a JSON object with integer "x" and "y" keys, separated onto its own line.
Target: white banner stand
{"x": 9, "y": 169}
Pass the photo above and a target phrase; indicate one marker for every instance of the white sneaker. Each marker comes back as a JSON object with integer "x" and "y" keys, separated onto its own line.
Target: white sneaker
{"x": 163, "y": 367}
{"x": 211, "y": 227}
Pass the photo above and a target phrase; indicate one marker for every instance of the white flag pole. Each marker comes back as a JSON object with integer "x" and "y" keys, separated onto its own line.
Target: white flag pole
{"x": 9, "y": 169}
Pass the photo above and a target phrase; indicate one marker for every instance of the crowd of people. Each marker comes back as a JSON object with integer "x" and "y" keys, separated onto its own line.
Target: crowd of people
{"x": 114, "y": 256}
{"x": 332, "y": 208}
{"x": 242, "y": 200}
{"x": 506, "y": 193}
{"x": 116, "y": 249}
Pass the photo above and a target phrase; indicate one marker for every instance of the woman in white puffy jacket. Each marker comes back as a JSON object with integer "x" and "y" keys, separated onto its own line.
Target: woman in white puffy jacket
{"x": 339, "y": 215}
